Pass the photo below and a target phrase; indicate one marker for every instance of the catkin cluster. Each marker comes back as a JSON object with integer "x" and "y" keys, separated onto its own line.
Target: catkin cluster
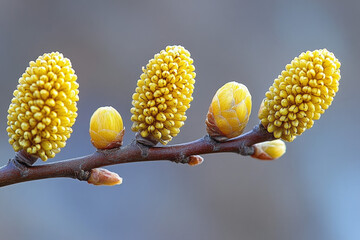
{"x": 163, "y": 94}
{"x": 303, "y": 91}
{"x": 43, "y": 108}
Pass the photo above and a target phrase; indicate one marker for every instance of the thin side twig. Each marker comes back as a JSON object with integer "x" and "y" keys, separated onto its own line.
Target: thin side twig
{"x": 79, "y": 168}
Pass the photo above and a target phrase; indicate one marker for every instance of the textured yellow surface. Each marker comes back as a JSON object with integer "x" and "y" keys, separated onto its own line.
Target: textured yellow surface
{"x": 303, "y": 91}
{"x": 43, "y": 108}
{"x": 163, "y": 94}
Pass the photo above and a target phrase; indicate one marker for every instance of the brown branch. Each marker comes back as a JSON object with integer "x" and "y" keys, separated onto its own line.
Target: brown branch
{"x": 17, "y": 171}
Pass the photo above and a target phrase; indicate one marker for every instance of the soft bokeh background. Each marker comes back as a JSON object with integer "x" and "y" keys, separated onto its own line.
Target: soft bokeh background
{"x": 310, "y": 193}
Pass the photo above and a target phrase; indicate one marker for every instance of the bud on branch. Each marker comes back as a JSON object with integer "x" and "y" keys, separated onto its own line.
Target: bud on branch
{"x": 43, "y": 111}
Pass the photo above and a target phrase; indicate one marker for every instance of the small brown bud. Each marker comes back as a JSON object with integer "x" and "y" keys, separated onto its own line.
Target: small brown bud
{"x": 195, "y": 160}
{"x": 101, "y": 176}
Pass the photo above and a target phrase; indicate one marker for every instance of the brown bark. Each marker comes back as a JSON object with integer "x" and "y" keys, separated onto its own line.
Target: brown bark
{"x": 17, "y": 170}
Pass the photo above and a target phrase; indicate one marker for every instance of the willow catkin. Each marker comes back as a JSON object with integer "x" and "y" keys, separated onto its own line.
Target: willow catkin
{"x": 43, "y": 108}
{"x": 303, "y": 91}
{"x": 163, "y": 94}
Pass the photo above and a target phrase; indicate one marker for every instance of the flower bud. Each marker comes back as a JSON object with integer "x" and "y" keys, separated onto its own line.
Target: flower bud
{"x": 106, "y": 128}
{"x": 101, "y": 176}
{"x": 303, "y": 91}
{"x": 229, "y": 111}
{"x": 163, "y": 94}
{"x": 269, "y": 150}
{"x": 43, "y": 108}
{"x": 195, "y": 160}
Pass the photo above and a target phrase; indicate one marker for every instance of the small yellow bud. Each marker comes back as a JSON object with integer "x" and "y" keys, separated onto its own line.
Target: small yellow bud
{"x": 303, "y": 91}
{"x": 229, "y": 111}
{"x": 163, "y": 94}
{"x": 195, "y": 160}
{"x": 43, "y": 108}
{"x": 101, "y": 176}
{"x": 106, "y": 128}
{"x": 269, "y": 150}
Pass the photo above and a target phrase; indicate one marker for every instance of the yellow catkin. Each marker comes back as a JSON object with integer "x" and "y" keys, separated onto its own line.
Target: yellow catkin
{"x": 303, "y": 91}
{"x": 163, "y": 94}
{"x": 106, "y": 128}
{"x": 229, "y": 111}
{"x": 43, "y": 108}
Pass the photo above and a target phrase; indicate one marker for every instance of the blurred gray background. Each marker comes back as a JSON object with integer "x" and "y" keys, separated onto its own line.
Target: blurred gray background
{"x": 310, "y": 193}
